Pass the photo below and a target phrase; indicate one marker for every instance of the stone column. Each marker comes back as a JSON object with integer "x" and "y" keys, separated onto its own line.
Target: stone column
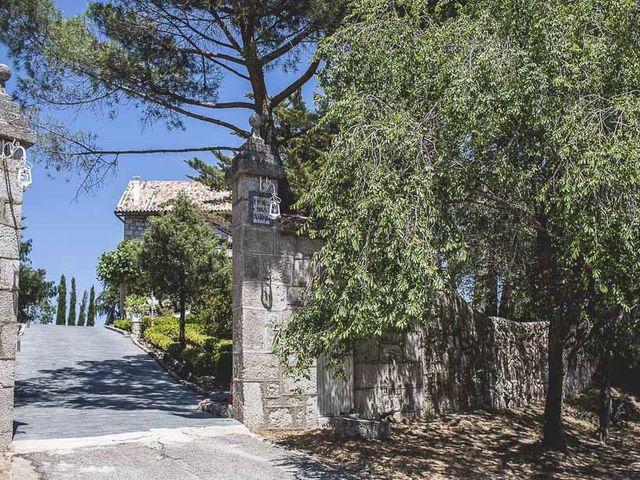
{"x": 13, "y": 127}
{"x": 267, "y": 276}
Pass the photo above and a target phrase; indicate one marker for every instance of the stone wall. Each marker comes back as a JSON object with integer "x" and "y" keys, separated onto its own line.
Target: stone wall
{"x": 10, "y": 215}
{"x": 269, "y": 275}
{"x": 13, "y": 127}
{"x": 134, "y": 227}
{"x": 467, "y": 361}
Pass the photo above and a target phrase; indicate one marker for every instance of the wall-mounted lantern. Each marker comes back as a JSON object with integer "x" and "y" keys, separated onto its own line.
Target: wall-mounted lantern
{"x": 15, "y": 152}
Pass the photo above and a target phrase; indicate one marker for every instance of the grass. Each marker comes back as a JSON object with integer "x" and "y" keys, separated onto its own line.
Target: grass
{"x": 481, "y": 445}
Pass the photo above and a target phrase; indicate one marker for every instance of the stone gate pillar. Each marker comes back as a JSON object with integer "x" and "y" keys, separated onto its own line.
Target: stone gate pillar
{"x": 268, "y": 274}
{"x": 13, "y": 128}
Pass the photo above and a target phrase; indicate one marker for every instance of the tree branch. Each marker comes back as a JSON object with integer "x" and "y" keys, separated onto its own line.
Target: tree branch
{"x": 310, "y": 72}
{"x": 223, "y": 27}
{"x": 153, "y": 151}
{"x": 504, "y": 205}
{"x": 287, "y": 46}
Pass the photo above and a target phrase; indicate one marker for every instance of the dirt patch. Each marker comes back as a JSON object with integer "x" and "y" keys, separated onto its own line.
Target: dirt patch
{"x": 14, "y": 467}
{"x": 481, "y": 445}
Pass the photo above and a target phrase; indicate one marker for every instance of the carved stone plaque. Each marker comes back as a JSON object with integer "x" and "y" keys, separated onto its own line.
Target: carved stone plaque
{"x": 259, "y": 208}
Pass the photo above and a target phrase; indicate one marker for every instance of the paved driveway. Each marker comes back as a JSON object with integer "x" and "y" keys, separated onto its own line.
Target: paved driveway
{"x": 92, "y": 406}
{"x": 90, "y": 381}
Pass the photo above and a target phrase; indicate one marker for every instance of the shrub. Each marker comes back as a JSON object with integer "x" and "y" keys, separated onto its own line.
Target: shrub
{"x": 204, "y": 355}
{"x": 123, "y": 324}
{"x": 158, "y": 339}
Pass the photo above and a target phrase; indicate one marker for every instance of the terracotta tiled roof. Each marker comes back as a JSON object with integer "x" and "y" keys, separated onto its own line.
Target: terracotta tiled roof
{"x": 149, "y": 197}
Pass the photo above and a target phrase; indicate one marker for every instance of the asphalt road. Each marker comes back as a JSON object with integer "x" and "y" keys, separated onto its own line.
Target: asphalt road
{"x": 91, "y": 406}
{"x": 90, "y": 381}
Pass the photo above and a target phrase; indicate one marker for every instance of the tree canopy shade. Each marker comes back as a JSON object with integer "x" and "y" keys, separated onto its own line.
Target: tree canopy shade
{"x": 168, "y": 58}
{"x": 503, "y": 137}
{"x": 183, "y": 259}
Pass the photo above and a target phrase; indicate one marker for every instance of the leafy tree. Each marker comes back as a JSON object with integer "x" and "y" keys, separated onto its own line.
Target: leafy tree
{"x": 120, "y": 269}
{"x": 501, "y": 141}
{"x": 307, "y": 136}
{"x": 82, "y": 316}
{"x": 73, "y": 300}
{"x": 304, "y": 141}
{"x": 61, "y": 312}
{"x": 107, "y": 304}
{"x": 182, "y": 257}
{"x": 91, "y": 314}
{"x": 170, "y": 59}
{"x": 214, "y": 309}
{"x": 35, "y": 291}
{"x": 137, "y": 305}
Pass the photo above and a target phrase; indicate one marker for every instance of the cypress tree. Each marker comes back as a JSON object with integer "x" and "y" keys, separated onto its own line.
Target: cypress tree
{"x": 82, "y": 317}
{"x": 91, "y": 315}
{"x": 72, "y": 303}
{"x": 62, "y": 301}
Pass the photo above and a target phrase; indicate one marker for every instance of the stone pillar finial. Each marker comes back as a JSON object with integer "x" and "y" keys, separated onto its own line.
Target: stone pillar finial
{"x": 5, "y": 75}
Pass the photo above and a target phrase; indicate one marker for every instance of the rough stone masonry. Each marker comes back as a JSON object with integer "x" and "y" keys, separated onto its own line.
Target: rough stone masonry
{"x": 13, "y": 127}
{"x": 269, "y": 273}
{"x": 467, "y": 361}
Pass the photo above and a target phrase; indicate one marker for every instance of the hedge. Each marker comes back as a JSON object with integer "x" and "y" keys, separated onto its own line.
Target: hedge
{"x": 203, "y": 355}
{"x": 123, "y": 324}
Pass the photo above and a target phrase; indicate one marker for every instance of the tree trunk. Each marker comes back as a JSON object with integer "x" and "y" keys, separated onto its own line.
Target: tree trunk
{"x": 504, "y": 310}
{"x": 605, "y": 398}
{"x": 182, "y": 338}
{"x": 553, "y": 434}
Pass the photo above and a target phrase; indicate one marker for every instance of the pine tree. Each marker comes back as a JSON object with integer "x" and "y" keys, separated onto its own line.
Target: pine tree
{"x": 72, "y": 304}
{"x": 82, "y": 317}
{"x": 62, "y": 301}
{"x": 91, "y": 315}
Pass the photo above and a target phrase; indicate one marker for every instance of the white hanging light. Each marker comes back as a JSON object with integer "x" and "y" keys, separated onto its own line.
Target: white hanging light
{"x": 274, "y": 207}
{"x": 274, "y": 202}
{"x": 15, "y": 151}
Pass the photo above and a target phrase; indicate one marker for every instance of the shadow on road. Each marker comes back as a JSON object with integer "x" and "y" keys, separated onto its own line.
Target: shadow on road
{"x": 130, "y": 383}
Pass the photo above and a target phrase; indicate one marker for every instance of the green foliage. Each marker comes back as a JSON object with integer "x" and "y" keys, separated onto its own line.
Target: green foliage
{"x": 123, "y": 324}
{"x": 138, "y": 52}
{"x": 82, "y": 316}
{"x": 61, "y": 312}
{"x": 203, "y": 355}
{"x": 137, "y": 305}
{"x": 107, "y": 303}
{"x": 305, "y": 139}
{"x": 71, "y": 319}
{"x": 182, "y": 258}
{"x": 121, "y": 265}
{"x": 502, "y": 139}
{"x": 211, "y": 175}
{"x": 91, "y": 314}
{"x": 35, "y": 291}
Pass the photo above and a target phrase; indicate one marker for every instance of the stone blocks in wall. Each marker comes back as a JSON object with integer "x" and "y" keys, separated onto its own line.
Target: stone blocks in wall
{"x": 467, "y": 361}
{"x": 135, "y": 226}
{"x": 6, "y": 416}
{"x": 13, "y": 126}
{"x": 268, "y": 276}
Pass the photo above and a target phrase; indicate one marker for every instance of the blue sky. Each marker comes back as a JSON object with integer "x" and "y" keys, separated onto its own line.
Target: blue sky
{"x": 70, "y": 234}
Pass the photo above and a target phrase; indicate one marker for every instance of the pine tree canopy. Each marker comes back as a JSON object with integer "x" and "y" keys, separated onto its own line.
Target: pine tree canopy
{"x": 171, "y": 59}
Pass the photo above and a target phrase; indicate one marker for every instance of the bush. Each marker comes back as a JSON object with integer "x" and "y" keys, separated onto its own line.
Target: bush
{"x": 158, "y": 339}
{"x": 123, "y": 324}
{"x": 204, "y": 355}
